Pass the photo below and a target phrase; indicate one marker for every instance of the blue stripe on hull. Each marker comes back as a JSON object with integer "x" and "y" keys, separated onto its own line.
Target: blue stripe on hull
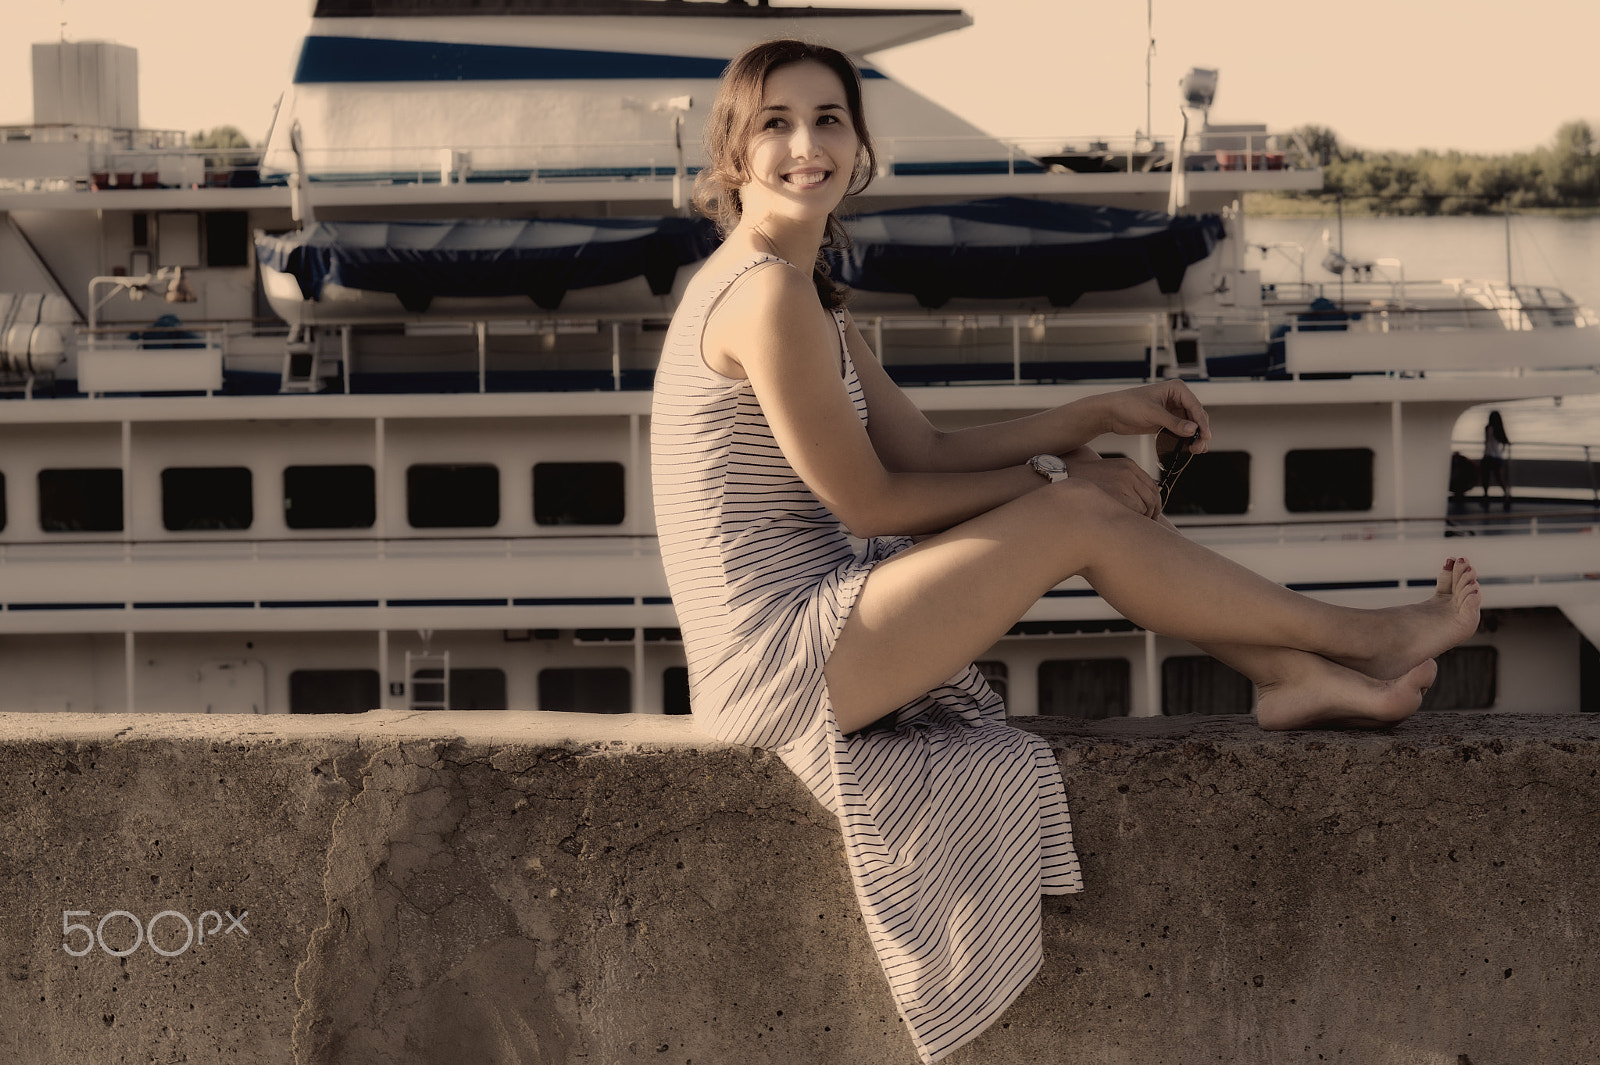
{"x": 325, "y": 59}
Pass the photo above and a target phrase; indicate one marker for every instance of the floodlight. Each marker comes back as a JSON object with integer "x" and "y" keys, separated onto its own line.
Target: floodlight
{"x": 1199, "y": 88}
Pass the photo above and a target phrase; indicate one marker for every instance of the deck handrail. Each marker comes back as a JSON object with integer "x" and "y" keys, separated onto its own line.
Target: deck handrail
{"x": 1576, "y": 521}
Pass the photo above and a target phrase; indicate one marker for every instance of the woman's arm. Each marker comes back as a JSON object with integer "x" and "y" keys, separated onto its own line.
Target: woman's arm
{"x": 771, "y": 330}
{"x": 906, "y": 477}
{"x": 907, "y": 441}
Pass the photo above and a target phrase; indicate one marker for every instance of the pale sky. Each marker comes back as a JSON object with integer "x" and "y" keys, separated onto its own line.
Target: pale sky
{"x": 1478, "y": 75}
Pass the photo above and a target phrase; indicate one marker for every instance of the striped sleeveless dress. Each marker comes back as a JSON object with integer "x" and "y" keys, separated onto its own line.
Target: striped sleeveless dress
{"x": 953, "y": 822}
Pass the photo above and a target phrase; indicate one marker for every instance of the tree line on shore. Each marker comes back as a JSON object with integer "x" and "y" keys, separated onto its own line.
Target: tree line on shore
{"x": 1562, "y": 174}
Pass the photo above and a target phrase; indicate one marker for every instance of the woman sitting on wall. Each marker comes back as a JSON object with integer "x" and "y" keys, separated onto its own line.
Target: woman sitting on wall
{"x": 775, "y": 430}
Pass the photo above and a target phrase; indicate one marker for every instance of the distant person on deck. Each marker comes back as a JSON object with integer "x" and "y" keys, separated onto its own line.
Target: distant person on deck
{"x": 1496, "y": 460}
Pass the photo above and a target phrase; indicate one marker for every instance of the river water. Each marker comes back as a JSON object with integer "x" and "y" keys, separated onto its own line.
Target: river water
{"x": 1564, "y": 253}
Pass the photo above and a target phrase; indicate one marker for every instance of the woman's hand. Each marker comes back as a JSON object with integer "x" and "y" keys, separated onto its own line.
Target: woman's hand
{"x": 1120, "y": 478}
{"x": 1151, "y": 408}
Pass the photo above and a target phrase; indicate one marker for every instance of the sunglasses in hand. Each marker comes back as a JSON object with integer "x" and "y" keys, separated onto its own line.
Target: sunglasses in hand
{"x": 1172, "y": 455}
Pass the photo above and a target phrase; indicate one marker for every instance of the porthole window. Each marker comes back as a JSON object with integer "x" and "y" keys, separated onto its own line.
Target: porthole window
{"x": 1467, "y": 680}
{"x": 1215, "y": 482}
{"x": 470, "y": 689}
{"x": 1327, "y": 480}
{"x": 206, "y": 498}
{"x": 1088, "y": 688}
{"x": 675, "y": 690}
{"x": 606, "y": 690}
{"x": 329, "y": 497}
{"x": 80, "y": 500}
{"x": 1199, "y": 684}
{"x": 333, "y": 691}
{"x": 578, "y": 493}
{"x": 453, "y": 497}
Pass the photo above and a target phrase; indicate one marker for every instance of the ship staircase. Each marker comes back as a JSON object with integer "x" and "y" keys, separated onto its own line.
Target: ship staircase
{"x": 305, "y": 366}
{"x": 428, "y": 680}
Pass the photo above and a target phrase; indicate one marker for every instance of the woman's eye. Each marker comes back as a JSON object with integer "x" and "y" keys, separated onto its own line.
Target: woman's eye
{"x": 773, "y": 123}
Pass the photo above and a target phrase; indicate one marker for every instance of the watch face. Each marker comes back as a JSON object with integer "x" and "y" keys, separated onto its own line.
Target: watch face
{"x": 1048, "y": 464}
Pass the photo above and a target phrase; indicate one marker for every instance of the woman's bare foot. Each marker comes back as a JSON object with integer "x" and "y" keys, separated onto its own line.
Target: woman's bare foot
{"x": 1324, "y": 694}
{"x": 1408, "y": 635}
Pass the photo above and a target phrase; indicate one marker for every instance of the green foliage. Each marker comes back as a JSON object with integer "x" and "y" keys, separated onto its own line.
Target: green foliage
{"x": 221, "y": 137}
{"x": 229, "y": 147}
{"x": 1566, "y": 174}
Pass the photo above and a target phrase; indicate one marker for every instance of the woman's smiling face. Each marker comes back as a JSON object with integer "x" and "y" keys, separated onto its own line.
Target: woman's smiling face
{"x": 802, "y": 151}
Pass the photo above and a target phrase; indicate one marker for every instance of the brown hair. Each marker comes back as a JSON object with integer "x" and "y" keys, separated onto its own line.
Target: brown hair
{"x": 728, "y": 129}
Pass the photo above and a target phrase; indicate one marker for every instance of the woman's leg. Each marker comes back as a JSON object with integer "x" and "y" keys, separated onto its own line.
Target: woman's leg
{"x": 934, "y": 608}
{"x": 1297, "y": 689}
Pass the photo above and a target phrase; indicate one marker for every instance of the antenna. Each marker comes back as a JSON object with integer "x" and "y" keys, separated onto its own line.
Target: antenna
{"x": 1149, "y": 54}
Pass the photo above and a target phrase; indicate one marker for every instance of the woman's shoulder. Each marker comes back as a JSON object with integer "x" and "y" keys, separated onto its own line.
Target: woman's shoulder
{"x": 760, "y": 287}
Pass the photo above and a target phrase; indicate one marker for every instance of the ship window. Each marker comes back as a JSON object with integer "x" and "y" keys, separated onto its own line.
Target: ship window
{"x": 675, "y": 690}
{"x": 1085, "y": 688}
{"x": 80, "y": 500}
{"x": 1466, "y": 680}
{"x": 606, "y": 690}
{"x": 1215, "y": 482}
{"x": 141, "y": 229}
{"x": 205, "y": 497}
{"x": 227, "y": 238}
{"x": 333, "y": 691}
{"x": 996, "y": 674}
{"x": 1199, "y": 684}
{"x": 328, "y": 497}
{"x": 453, "y": 497}
{"x": 1328, "y": 479}
{"x": 578, "y": 493}
{"x": 470, "y": 689}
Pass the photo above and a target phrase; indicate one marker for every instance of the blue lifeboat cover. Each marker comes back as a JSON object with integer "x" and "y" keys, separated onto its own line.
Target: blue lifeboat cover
{"x": 1012, "y": 248}
{"x": 539, "y": 258}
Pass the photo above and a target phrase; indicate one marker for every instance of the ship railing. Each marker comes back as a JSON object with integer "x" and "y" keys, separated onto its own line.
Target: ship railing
{"x": 1551, "y": 522}
{"x": 240, "y": 545}
{"x": 151, "y": 358}
{"x": 1490, "y": 304}
{"x": 971, "y": 348}
{"x": 226, "y": 546}
{"x": 661, "y": 159}
{"x": 1217, "y": 149}
{"x": 1561, "y": 469}
{"x": 57, "y": 157}
{"x": 607, "y": 550}
{"x": 51, "y": 157}
{"x": 932, "y": 348}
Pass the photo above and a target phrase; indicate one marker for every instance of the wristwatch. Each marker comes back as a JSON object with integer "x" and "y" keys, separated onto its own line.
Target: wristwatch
{"x": 1050, "y": 467}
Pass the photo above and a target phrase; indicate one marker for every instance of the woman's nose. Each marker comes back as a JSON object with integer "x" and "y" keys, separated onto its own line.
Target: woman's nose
{"x": 802, "y": 142}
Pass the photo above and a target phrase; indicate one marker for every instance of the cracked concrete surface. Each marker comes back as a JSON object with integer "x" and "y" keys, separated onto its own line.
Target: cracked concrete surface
{"x": 519, "y": 889}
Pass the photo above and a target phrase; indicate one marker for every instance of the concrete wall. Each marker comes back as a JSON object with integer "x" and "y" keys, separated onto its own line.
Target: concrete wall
{"x": 494, "y": 889}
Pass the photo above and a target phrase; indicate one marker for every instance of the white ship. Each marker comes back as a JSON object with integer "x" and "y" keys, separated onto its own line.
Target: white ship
{"x": 392, "y": 448}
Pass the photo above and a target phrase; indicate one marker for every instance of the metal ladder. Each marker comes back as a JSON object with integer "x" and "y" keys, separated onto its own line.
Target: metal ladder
{"x": 302, "y": 362}
{"x": 428, "y": 680}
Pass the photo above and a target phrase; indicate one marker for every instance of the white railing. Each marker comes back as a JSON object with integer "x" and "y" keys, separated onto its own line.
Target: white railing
{"x": 1583, "y": 459}
{"x": 228, "y": 547}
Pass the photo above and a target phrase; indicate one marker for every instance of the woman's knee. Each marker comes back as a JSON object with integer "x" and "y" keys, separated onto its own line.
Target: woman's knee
{"x": 1081, "y": 501}
{"x": 1075, "y": 505}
